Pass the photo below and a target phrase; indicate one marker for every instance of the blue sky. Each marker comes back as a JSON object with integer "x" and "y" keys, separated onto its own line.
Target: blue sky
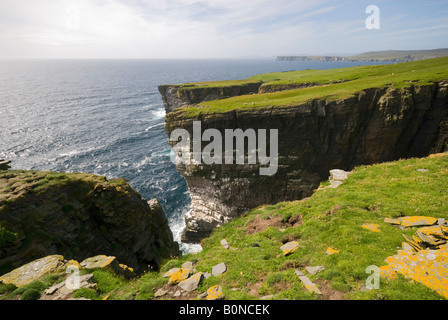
{"x": 214, "y": 28}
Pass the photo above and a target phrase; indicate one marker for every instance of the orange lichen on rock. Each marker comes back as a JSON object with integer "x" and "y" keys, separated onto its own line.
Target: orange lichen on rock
{"x": 417, "y": 221}
{"x": 428, "y": 267}
{"x": 372, "y": 227}
{"x": 177, "y": 275}
{"x": 215, "y": 293}
{"x": 331, "y": 251}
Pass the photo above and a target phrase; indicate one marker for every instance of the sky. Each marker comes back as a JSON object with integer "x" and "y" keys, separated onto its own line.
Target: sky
{"x": 177, "y": 29}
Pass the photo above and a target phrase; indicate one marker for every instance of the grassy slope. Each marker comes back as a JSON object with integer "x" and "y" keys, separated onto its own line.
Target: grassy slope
{"x": 327, "y": 84}
{"x": 330, "y": 218}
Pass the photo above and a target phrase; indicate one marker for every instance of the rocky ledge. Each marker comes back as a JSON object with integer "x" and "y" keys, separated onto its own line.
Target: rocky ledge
{"x": 375, "y": 124}
{"x": 79, "y": 216}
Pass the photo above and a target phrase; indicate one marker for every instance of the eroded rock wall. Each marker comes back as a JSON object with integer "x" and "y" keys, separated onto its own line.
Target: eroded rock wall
{"x": 79, "y": 216}
{"x": 374, "y": 126}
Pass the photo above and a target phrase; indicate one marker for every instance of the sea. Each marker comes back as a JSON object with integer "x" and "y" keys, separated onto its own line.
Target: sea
{"x": 106, "y": 117}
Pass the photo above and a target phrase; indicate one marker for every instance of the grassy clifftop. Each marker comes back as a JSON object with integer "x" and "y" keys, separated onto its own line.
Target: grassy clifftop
{"x": 331, "y": 218}
{"x": 286, "y": 89}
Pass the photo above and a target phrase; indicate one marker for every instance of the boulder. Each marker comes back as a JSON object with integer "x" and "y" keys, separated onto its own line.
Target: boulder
{"x": 34, "y": 270}
{"x": 215, "y": 293}
{"x": 417, "y": 221}
{"x": 225, "y": 244}
{"x": 108, "y": 262}
{"x": 64, "y": 289}
{"x": 191, "y": 283}
{"x": 311, "y": 287}
{"x": 289, "y": 247}
{"x": 177, "y": 275}
{"x": 219, "y": 269}
{"x": 315, "y": 270}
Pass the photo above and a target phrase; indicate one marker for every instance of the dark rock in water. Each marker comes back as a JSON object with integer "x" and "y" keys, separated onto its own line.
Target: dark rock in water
{"x": 79, "y": 216}
{"x": 4, "y": 165}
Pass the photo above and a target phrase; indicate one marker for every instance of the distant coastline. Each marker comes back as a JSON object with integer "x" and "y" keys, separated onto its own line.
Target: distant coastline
{"x": 376, "y": 56}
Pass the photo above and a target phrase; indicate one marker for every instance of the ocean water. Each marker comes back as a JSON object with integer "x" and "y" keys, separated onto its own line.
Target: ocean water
{"x": 106, "y": 117}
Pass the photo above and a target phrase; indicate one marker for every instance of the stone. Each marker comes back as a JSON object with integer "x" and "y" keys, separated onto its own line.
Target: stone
{"x": 310, "y": 286}
{"x": 434, "y": 231}
{"x": 34, "y": 270}
{"x": 188, "y": 265}
{"x": 372, "y": 227}
{"x": 315, "y": 270}
{"x": 392, "y": 221}
{"x": 65, "y": 289}
{"x": 161, "y": 292}
{"x": 177, "y": 275}
{"x": 207, "y": 275}
{"x": 225, "y": 244}
{"x": 215, "y": 293}
{"x": 177, "y": 294}
{"x": 269, "y": 297}
{"x": 219, "y": 269}
{"x": 338, "y": 175}
{"x": 191, "y": 283}
{"x": 289, "y": 247}
{"x": 422, "y": 170}
{"x": 331, "y": 251}
{"x": 441, "y": 221}
{"x": 417, "y": 221}
{"x": 108, "y": 262}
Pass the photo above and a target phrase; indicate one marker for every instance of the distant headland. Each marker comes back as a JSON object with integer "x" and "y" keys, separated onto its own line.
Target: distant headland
{"x": 375, "y": 56}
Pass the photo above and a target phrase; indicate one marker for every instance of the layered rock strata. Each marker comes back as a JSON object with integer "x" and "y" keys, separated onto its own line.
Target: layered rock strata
{"x": 375, "y": 125}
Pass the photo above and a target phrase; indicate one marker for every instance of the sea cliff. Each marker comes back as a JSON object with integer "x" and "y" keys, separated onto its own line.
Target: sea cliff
{"x": 336, "y": 122}
{"x": 79, "y": 216}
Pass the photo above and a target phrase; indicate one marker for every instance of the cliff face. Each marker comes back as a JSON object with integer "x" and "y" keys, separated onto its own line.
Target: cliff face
{"x": 176, "y": 96}
{"x": 374, "y": 126}
{"x": 79, "y": 216}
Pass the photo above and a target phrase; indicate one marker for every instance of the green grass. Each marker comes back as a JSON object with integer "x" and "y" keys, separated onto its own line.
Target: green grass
{"x": 329, "y": 85}
{"x": 369, "y": 195}
{"x": 330, "y": 218}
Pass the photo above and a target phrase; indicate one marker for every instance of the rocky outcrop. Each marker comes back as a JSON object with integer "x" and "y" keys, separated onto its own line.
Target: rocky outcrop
{"x": 4, "y": 164}
{"x": 175, "y": 96}
{"x": 78, "y": 216}
{"x": 375, "y": 125}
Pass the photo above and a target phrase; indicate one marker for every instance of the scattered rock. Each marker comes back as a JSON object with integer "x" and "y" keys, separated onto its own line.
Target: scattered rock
{"x": 372, "y": 227}
{"x": 219, "y": 269}
{"x": 417, "y": 221}
{"x": 289, "y": 247}
{"x": 422, "y": 170}
{"x": 64, "y": 290}
{"x": 191, "y": 283}
{"x": 215, "y": 293}
{"x": 177, "y": 275}
{"x": 441, "y": 221}
{"x": 188, "y": 265}
{"x": 177, "y": 294}
{"x": 207, "y": 275}
{"x": 161, "y": 292}
{"x": 315, "y": 270}
{"x": 337, "y": 177}
{"x": 331, "y": 251}
{"x": 307, "y": 282}
{"x": 108, "y": 262}
{"x": 269, "y": 297}
{"x": 34, "y": 270}
{"x": 392, "y": 221}
{"x": 225, "y": 244}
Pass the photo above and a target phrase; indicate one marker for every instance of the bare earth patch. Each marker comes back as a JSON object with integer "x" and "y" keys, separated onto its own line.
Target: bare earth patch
{"x": 260, "y": 224}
